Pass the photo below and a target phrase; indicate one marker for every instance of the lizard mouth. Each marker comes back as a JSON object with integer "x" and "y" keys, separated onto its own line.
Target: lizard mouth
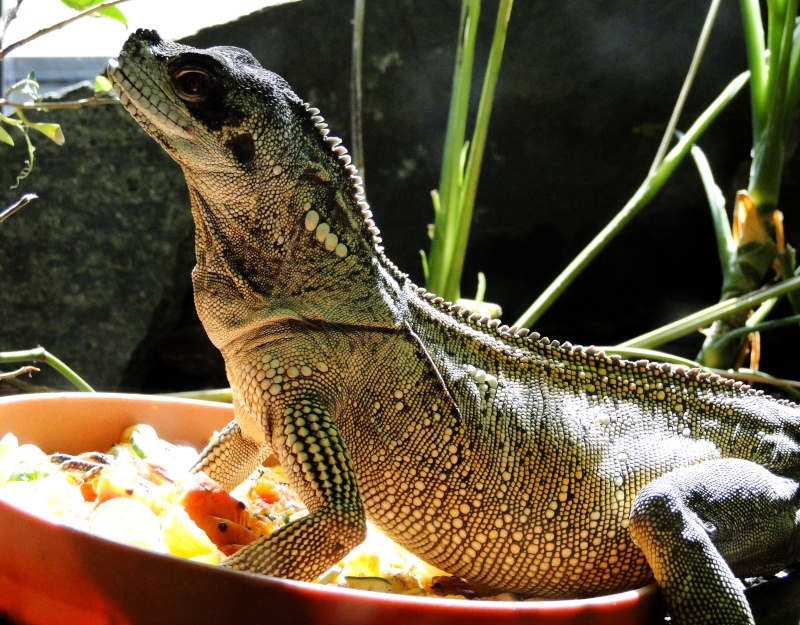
{"x": 147, "y": 103}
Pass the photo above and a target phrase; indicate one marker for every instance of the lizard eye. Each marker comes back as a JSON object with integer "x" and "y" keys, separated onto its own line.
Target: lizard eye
{"x": 192, "y": 84}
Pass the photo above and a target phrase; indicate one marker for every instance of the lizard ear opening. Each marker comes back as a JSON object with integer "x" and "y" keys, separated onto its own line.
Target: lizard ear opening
{"x": 243, "y": 147}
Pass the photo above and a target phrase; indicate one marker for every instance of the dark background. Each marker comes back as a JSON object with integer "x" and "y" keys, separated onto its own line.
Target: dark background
{"x": 565, "y": 153}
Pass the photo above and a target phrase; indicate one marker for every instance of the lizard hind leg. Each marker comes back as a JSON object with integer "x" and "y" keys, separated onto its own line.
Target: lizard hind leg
{"x": 304, "y": 548}
{"x": 703, "y": 526}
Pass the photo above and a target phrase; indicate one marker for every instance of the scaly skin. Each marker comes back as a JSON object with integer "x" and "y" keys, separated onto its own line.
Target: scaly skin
{"x": 498, "y": 456}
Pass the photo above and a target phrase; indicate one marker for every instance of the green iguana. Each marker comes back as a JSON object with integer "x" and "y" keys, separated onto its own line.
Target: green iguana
{"x": 497, "y": 455}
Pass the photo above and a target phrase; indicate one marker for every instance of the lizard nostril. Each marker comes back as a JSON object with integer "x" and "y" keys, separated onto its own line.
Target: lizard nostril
{"x": 148, "y": 35}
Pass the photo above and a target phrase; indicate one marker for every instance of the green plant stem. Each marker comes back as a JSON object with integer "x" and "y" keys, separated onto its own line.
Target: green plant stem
{"x": 462, "y": 161}
{"x": 439, "y": 262}
{"x": 787, "y": 262}
{"x": 472, "y": 170}
{"x": 773, "y": 98}
{"x": 793, "y": 83}
{"x": 223, "y": 395}
{"x": 763, "y": 327}
{"x": 705, "y": 317}
{"x": 754, "y": 42}
{"x": 769, "y": 144}
{"x": 40, "y": 354}
{"x": 649, "y": 188}
{"x": 761, "y": 313}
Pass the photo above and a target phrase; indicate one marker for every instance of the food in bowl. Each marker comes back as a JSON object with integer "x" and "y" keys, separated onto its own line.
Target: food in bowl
{"x": 141, "y": 493}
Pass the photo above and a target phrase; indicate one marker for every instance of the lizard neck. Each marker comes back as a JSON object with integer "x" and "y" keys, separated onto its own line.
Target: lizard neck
{"x": 270, "y": 259}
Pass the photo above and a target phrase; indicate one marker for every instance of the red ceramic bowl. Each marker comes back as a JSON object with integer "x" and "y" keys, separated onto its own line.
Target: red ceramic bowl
{"x": 54, "y": 574}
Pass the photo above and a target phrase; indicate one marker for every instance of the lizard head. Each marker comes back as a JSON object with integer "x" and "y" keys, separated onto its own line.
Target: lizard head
{"x": 207, "y": 108}
{"x": 281, "y": 220}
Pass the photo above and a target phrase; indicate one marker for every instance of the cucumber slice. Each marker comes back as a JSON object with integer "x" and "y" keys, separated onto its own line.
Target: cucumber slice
{"x": 145, "y": 443}
{"x": 374, "y": 584}
{"x": 143, "y": 439}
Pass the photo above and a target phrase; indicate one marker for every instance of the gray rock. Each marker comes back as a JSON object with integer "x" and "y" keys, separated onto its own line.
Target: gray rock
{"x": 99, "y": 265}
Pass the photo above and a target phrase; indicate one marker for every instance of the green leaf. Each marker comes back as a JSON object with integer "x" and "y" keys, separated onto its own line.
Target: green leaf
{"x": 51, "y": 131}
{"x": 5, "y": 137}
{"x": 115, "y": 14}
{"x": 81, "y": 5}
{"x": 481, "y": 291}
{"x": 424, "y": 258}
{"x": 102, "y": 84}
{"x": 11, "y": 121}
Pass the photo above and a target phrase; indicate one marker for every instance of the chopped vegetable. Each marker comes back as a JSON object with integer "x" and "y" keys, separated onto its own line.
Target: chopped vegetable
{"x": 224, "y": 519}
{"x": 25, "y": 476}
{"x": 146, "y": 497}
{"x": 146, "y": 444}
{"x": 448, "y": 586}
{"x": 53, "y": 497}
{"x": 375, "y": 584}
{"x": 362, "y": 562}
{"x": 129, "y": 521}
{"x": 16, "y": 459}
{"x": 184, "y": 538}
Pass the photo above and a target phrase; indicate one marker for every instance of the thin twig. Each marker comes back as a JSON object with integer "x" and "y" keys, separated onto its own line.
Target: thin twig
{"x": 95, "y": 100}
{"x": 25, "y": 199}
{"x": 357, "y": 139}
{"x": 8, "y": 17}
{"x": 39, "y": 33}
{"x": 7, "y": 375}
{"x": 40, "y": 354}
{"x": 687, "y": 84}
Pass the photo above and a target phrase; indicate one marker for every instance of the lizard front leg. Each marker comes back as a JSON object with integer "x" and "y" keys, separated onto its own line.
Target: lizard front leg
{"x": 238, "y": 450}
{"x": 231, "y": 457}
{"x": 701, "y": 526}
{"x": 319, "y": 468}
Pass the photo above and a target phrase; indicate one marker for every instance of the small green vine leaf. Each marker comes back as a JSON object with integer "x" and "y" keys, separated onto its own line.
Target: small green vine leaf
{"x": 81, "y": 5}
{"x": 28, "y": 167}
{"x": 5, "y": 137}
{"x": 102, "y": 85}
{"x": 115, "y": 14}
{"x": 51, "y": 131}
